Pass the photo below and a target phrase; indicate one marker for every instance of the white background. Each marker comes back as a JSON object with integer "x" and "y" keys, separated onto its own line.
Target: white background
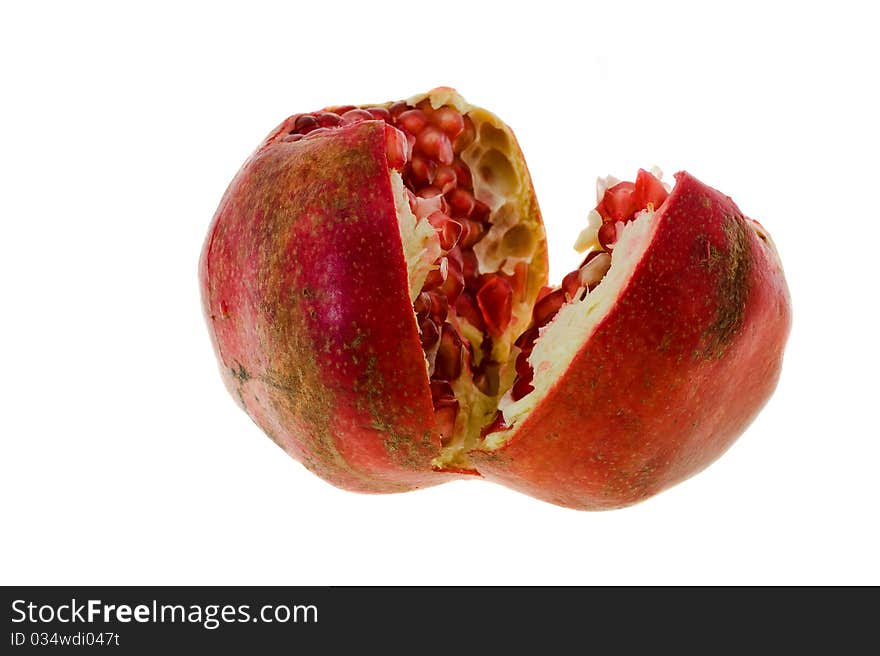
{"x": 125, "y": 461}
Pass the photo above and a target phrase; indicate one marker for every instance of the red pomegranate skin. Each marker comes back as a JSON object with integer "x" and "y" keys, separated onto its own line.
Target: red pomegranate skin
{"x": 304, "y": 287}
{"x": 682, "y": 363}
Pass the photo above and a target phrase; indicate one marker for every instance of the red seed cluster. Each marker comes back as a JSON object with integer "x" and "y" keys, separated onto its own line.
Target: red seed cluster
{"x": 623, "y": 201}
{"x": 441, "y": 189}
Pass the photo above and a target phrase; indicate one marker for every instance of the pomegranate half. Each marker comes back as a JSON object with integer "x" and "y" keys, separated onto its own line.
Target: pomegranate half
{"x": 375, "y": 285}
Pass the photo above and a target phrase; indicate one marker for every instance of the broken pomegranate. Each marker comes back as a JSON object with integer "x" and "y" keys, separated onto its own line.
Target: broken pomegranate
{"x": 375, "y": 284}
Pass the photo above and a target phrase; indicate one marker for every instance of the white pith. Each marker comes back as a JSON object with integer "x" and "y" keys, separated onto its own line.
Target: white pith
{"x": 589, "y": 236}
{"x": 561, "y": 339}
{"x": 421, "y": 245}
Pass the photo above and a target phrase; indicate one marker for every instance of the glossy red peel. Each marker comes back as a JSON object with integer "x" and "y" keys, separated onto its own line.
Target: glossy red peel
{"x": 676, "y": 371}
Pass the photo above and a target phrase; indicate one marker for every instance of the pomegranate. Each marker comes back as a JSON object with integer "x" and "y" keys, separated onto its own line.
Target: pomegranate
{"x": 375, "y": 285}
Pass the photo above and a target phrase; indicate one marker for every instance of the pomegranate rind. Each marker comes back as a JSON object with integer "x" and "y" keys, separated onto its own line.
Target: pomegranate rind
{"x": 689, "y": 353}
{"x": 304, "y": 288}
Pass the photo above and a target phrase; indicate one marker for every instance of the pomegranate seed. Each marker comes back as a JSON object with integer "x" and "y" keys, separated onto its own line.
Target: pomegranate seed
{"x": 292, "y": 137}
{"x": 462, "y": 174}
{"x": 523, "y": 368}
{"x": 496, "y": 425}
{"x": 433, "y": 143}
{"x": 356, "y": 116}
{"x": 547, "y": 307}
{"x": 380, "y": 114}
{"x": 455, "y": 254}
{"x": 413, "y": 121}
{"x": 421, "y": 171}
{"x": 429, "y": 334}
{"x": 397, "y": 109}
{"x": 589, "y": 257}
{"x": 445, "y": 179}
{"x": 317, "y": 131}
{"x": 473, "y": 232}
{"x": 305, "y": 123}
{"x": 467, "y": 136}
{"x": 395, "y": 147}
{"x": 441, "y": 390}
{"x": 521, "y": 387}
{"x": 341, "y": 109}
{"x": 445, "y": 412}
{"x": 421, "y": 304}
{"x": 648, "y": 189}
{"x": 481, "y": 211}
{"x": 467, "y": 308}
{"x": 438, "y": 219}
{"x": 517, "y": 279}
{"x": 618, "y": 203}
{"x": 591, "y": 274}
{"x": 430, "y": 303}
{"x": 448, "y": 120}
{"x": 453, "y": 280}
{"x": 544, "y": 291}
{"x": 450, "y": 234}
{"x": 465, "y": 240}
{"x": 470, "y": 266}
{"x": 429, "y": 192}
{"x": 608, "y": 234}
{"x": 433, "y": 280}
{"x": 443, "y": 401}
{"x": 425, "y": 206}
{"x": 461, "y": 202}
{"x": 328, "y": 119}
{"x": 447, "y": 364}
{"x": 439, "y": 307}
{"x": 526, "y": 341}
{"x": 495, "y": 299}
{"x": 571, "y": 284}
{"x": 449, "y": 230}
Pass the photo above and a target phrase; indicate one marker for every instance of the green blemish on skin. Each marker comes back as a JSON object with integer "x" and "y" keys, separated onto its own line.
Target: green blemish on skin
{"x": 731, "y": 289}
{"x": 713, "y": 256}
{"x": 241, "y": 374}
